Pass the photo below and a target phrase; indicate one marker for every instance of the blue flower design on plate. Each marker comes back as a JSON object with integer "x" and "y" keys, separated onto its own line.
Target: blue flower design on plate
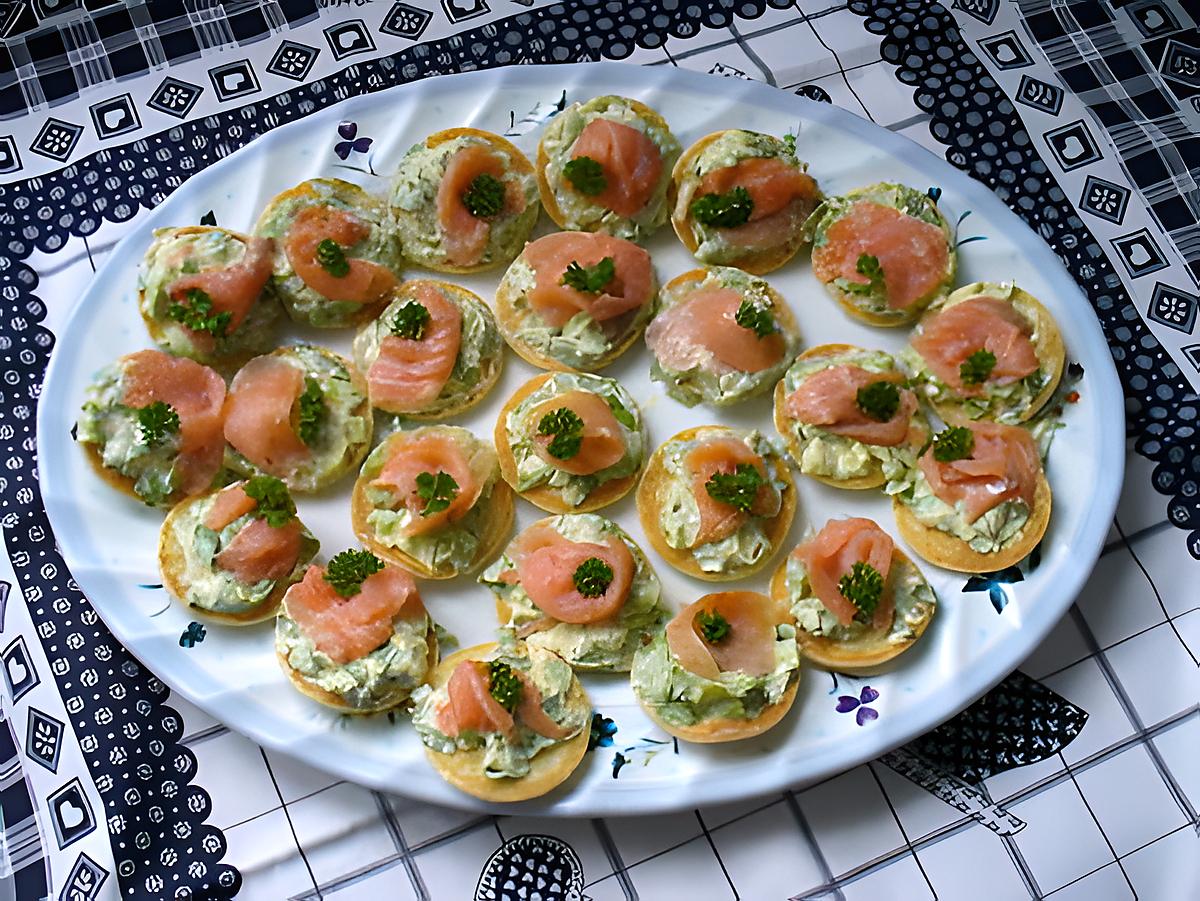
{"x": 192, "y": 635}
{"x": 602, "y": 731}
{"x": 865, "y": 714}
{"x": 993, "y": 583}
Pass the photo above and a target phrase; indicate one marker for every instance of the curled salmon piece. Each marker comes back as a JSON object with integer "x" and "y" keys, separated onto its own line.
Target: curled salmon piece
{"x": 632, "y": 164}
{"x": 832, "y": 553}
{"x": 948, "y": 337}
{"x": 828, "y": 398}
{"x": 630, "y": 288}
{"x": 546, "y": 564}
{"x": 1004, "y": 465}
{"x": 783, "y": 197}
{"x": 197, "y": 395}
{"x": 409, "y": 374}
{"x": 261, "y": 551}
{"x": 464, "y": 235}
{"x": 701, "y": 330}
{"x": 602, "y": 444}
{"x": 258, "y": 414}
{"x": 349, "y": 628}
{"x": 231, "y": 503}
{"x": 722, "y": 455}
{"x": 432, "y": 452}
{"x": 470, "y": 706}
{"x": 748, "y": 648}
{"x": 531, "y": 713}
{"x": 233, "y": 289}
{"x": 365, "y": 282}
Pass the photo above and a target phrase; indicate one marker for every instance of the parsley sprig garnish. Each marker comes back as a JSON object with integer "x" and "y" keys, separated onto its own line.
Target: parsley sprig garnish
{"x": 728, "y": 210}
{"x": 589, "y": 279}
{"x": 713, "y": 626}
{"x": 976, "y": 368}
{"x": 332, "y": 258}
{"x": 312, "y": 411}
{"x": 585, "y": 175}
{"x": 954, "y": 443}
{"x": 197, "y": 314}
{"x": 410, "y": 321}
{"x": 348, "y": 570}
{"x": 878, "y": 400}
{"x": 484, "y": 197}
{"x": 504, "y": 685}
{"x": 757, "y": 319}
{"x": 862, "y": 587}
{"x": 274, "y": 501}
{"x": 438, "y": 491}
{"x": 592, "y": 577}
{"x": 566, "y": 428}
{"x": 155, "y": 422}
{"x": 738, "y": 488}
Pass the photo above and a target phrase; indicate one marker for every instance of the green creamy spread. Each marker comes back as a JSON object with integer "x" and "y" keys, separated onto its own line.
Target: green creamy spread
{"x": 872, "y": 298}
{"x": 176, "y": 252}
{"x": 208, "y": 586}
{"x": 380, "y": 246}
{"x": 1006, "y": 402}
{"x": 581, "y": 212}
{"x": 682, "y": 698}
{"x": 380, "y": 678}
{"x": 821, "y": 452}
{"x": 605, "y": 645}
{"x": 728, "y": 150}
{"x": 987, "y": 534}
{"x": 679, "y": 516}
{"x": 914, "y": 599}
{"x": 532, "y": 470}
{"x": 342, "y": 429}
{"x": 414, "y": 205}
{"x": 479, "y": 350}
{"x": 509, "y": 758}
{"x": 705, "y": 379}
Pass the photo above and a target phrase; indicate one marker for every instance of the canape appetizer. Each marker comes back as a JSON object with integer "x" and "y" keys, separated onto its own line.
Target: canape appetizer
{"x": 151, "y": 426}
{"x": 574, "y": 300}
{"x": 978, "y": 500}
{"x": 299, "y": 413}
{"x": 232, "y": 553}
{"x": 464, "y": 200}
{"x": 725, "y": 668}
{"x": 336, "y": 256}
{"x": 989, "y": 351}
{"x": 884, "y": 252}
{"x": 354, "y": 634}
{"x": 503, "y": 722}
{"x": 434, "y": 351}
{"x": 577, "y": 585}
{"x": 605, "y": 166}
{"x": 203, "y": 293}
{"x": 432, "y": 500}
{"x": 571, "y": 442}
{"x": 857, "y": 599}
{"x": 716, "y": 502}
{"x": 741, "y": 198}
{"x": 847, "y": 418}
{"x": 720, "y": 337}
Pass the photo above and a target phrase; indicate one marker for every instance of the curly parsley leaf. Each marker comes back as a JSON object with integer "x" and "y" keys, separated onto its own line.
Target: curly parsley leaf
{"x": 862, "y": 587}
{"x": 738, "y": 488}
{"x": 757, "y": 319}
{"x": 592, "y": 577}
{"x": 155, "y": 422}
{"x": 348, "y": 570}
{"x": 622, "y": 414}
{"x": 312, "y": 411}
{"x": 976, "y": 368}
{"x": 954, "y": 443}
{"x": 789, "y": 143}
{"x": 332, "y": 258}
{"x": 585, "y": 175}
{"x": 274, "y": 501}
{"x": 437, "y": 491}
{"x": 484, "y": 197}
{"x": 504, "y": 685}
{"x": 410, "y": 321}
{"x": 713, "y": 626}
{"x": 566, "y": 428}
{"x": 878, "y": 400}
{"x": 728, "y": 210}
{"x": 197, "y": 314}
{"x": 589, "y": 279}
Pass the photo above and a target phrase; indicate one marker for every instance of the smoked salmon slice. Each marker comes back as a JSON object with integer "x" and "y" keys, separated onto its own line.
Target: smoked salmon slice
{"x": 630, "y": 288}
{"x": 947, "y": 338}
{"x": 631, "y": 162}
{"x": 704, "y": 323}
{"x": 546, "y": 565}
{"x": 233, "y": 289}
{"x": 258, "y": 414}
{"x": 718, "y": 519}
{"x": 365, "y": 282}
{"x": 349, "y": 628}
{"x": 230, "y": 503}
{"x": 912, "y": 254}
{"x": 197, "y": 395}
{"x": 1004, "y": 465}
{"x": 828, "y": 398}
{"x": 748, "y": 648}
{"x": 832, "y": 553}
{"x": 602, "y": 444}
{"x": 261, "y": 551}
{"x": 782, "y": 197}
{"x": 465, "y": 236}
{"x": 470, "y": 707}
{"x": 432, "y": 452}
{"x": 409, "y": 374}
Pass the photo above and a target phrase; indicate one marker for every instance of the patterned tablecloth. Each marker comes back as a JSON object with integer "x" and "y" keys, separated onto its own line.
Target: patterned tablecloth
{"x": 1076, "y": 778}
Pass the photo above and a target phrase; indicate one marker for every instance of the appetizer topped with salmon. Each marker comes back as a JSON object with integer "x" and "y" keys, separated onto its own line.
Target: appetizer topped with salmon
{"x": 605, "y": 166}
{"x": 464, "y": 200}
{"x": 432, "y": 500}
{"x": 848, "y": 418}
{"x": 978, "y": 500}
{"x": 721, "y": 336}
{"x": 151, "y": 426}
{"x": 884, "y": 252}
{"x": 725, "y": 668}
{"x": 741, "y": 199}
{"x": 716, "y": 502}
{"x": 503, "y": 722}
{"x": 857, "y": 599}
{"x": 299, "y": 413}
{"x": 576, "y": 300}
{"x": 571, "y": 442}
{"x": 232, "y": 553}
{"x": 354, "y": 634}
{"x": 336, "y": 256}
{"x": 989, "y": 351}
{"x": 435, "y": 350}
{"x": 203, "y": 293}
{"x": 577, "y": 585}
